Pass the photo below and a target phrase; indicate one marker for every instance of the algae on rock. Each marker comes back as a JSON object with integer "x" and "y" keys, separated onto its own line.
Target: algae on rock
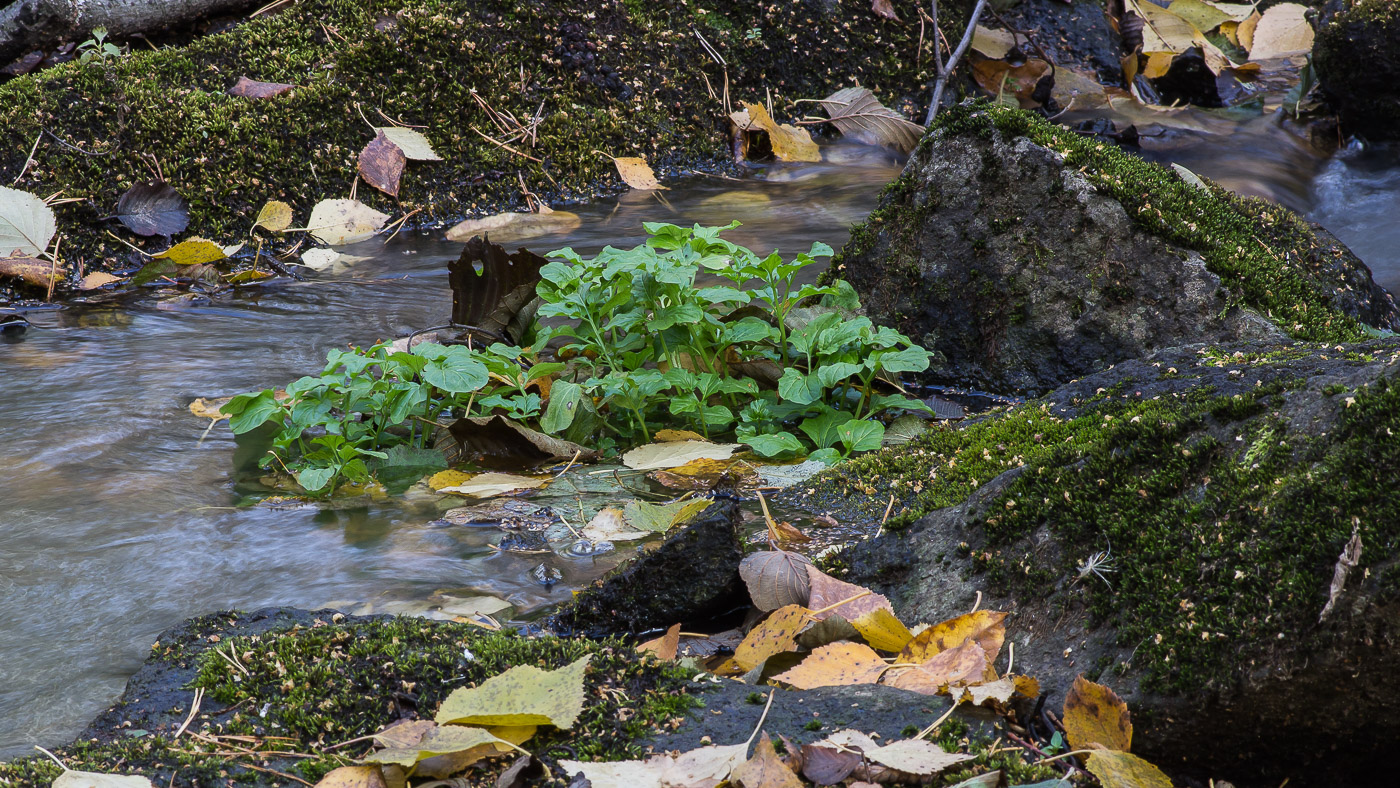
{"x": 1222, "y": 483}
{"x": 1028, "y": 255}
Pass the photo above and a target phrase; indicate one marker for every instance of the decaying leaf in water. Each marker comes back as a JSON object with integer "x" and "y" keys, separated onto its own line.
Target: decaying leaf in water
{"x": 660, "y": 518}
{"x": 354, "y": 777}
{"x": 501, "y": 296}
{"x": 40, "y": 273}
{"x": 676, "y": 453}
{"x": 663, "y": 648}
{"x": 274, "y": 217}
{"x": 635, "y": 172}
{"x": 381, "y": 164}
{"x": 195, "y": 251}
{"x": 1081, "y": 88}
{"x": 319, "y": 258}
{"x": 882, "y": 629}
{"x": 485, "y": 485}
{"x": 1094, "y": 714}
{"x": 153, "y": 208}
{"x": 1124, "y": 770}
{"x": 986, "y": 627}
{"x": 787, "y": 532}
{"x": 705, "y": 767}
{"x": 208, "y": 407}
{"x": 776, "y": 634}
{"x": 705, "y": 474}
{"x": 1000, "y": 78}
{"x": 765, "y": 769}
{"x": 963, "y": 664}
{"x": 339, "y": 222}
{"x": 515, "y": 226}
{"x": 1282, "y": 31}
{"x": 789, "y": 143}
{"x": 609, "y": 525}
{"x": 523, "y": 695}
{"x": 1163, "y": 31}
{"x": 503, "y": 442}
{"x": 97, "y": 279}
{"x": 411, "y": 143}
{"x": 72, "y": 778}
{"x": 249, "y": 88}
{"x": 835, "y": 665}
{"x": 826, "y": 591}
{"x": 857, "y": 114}
{"x": 27, "y": 224}
{"x": 776, "y": 578}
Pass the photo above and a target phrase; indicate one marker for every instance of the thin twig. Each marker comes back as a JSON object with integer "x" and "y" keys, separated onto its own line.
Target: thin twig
{"x": 939, "y": 721}
{"x": 30, "y": 158}
{"x": 944, "y": 69}
{"x": 194, "y": 710}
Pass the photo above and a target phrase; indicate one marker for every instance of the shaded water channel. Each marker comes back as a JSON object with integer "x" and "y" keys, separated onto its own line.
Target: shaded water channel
{"x": 117, "y": 522}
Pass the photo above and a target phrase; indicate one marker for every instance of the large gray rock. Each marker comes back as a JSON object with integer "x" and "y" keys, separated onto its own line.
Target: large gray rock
{"x": 1222, "y": 484}
{"x": 1028, "y": 256}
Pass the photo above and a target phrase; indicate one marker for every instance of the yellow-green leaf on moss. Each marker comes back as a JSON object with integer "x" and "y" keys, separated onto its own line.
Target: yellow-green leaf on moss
{"x": 469, "y": 744}
{"x": 192, "y": 252}
{"x": 523, "y": 695}
{"x": 274, "y": 217}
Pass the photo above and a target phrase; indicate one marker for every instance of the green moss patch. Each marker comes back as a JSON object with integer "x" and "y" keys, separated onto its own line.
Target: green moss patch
{"x": 620, "y": 77}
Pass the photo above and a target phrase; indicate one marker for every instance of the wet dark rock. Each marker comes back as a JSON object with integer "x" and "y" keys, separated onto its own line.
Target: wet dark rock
{"x": 1357, "y": 55}
{"x": 1222, "y": 483}
{"x": 1026, "y": 266}
{"x": 1188, "y": 81}
{"x": 690, "y": 577}
{"x": 1077, "y": 35}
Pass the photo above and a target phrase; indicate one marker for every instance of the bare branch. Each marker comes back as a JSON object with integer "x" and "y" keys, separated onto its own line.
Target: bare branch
{"x": 944, "y": 69}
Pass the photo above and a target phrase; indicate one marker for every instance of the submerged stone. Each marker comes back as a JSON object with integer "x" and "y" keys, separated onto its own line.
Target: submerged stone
{"x": 1171, "y": 527}
{"x": 1027, "y": 256}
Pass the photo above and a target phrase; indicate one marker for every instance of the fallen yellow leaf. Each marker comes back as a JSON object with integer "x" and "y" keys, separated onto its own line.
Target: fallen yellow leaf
{"x": 1094, "y": 714}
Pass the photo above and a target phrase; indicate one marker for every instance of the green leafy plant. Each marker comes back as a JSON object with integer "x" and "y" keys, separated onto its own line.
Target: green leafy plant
{"x": 98, "y": 47}
{"x": 685, "y": 329}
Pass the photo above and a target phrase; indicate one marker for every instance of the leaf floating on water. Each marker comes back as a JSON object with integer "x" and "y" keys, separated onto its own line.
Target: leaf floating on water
{"x": 676, "y": 453}
{"x": 411, "y": 143}
{"x": 523, "y": 695}
{"x": 338, "y": 222}
{"x": 837, "y": 664}
{"x": 72, "y": 778}
{"x": 320, "y": 258}
{"x": 153, "y": 208}
{"x": 705, "y": 474}
{"x": 1282, "y": 31}
{"x": 609, "y": 525}
{"x": 1125, "y": 770}
{"x": 39, "y": 273}
{"x": 208, "y": 407}
{"x": 381, "y": 164}
{"x": 485, "y": 485}
{"x": 501, "y": 296}
{"x": 515, "y": 226}
{"x": 1094, "y": 714}
{"x": 776, "y": 578}
{"x": 857, "y": 114}
{"x": 275, "y": 216}
{"x": 194, "y": 251}
{"x": 635, "y": 172}
{"x": 27, "y": 224}
{"x": 97, "y": 279}
{"x": 660, "y": 518}
{"x": 789, "y": 143}
{"x": 248, "y": 88}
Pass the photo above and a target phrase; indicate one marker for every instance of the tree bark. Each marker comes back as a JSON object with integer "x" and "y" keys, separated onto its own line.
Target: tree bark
{"x": 26, "y": 25}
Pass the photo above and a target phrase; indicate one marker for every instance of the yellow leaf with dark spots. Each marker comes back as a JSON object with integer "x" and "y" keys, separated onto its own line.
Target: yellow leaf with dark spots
{"x": 777, "y": 633}
{"x": 838, "y": 664}
{"x": 1124, "y": 770}
{"x": 1094, "y": 714}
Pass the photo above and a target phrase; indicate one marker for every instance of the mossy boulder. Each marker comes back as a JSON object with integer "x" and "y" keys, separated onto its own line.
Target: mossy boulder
{"x": 1357, "y": 55}
{"x": 1027, "y": 255}
{"x": 622, "y": 77}
{"x": 1214, "y": 489}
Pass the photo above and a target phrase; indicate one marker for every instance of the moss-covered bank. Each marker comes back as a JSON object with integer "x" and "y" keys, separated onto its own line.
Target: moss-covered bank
{"x": 621, "y": 77}
{"x": 1357, "y": 53}
{"x": 1223, "y": 483}
{"x": 1268, "y": 259}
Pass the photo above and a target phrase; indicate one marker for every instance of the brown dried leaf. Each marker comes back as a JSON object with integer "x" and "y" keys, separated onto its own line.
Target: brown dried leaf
{"x": 1094, "y": 714}
{"x": 964, "y": 664}
{"x": 765, "y": 769}
{"x": 828, "y": 766}
{"x": 857, "y": 114}
{"x": 248, "y": 88}
{"x": 31, "y": 270}
{"x": 827, "y": 591}
{"x": 635, "y": 172}
{"x": 515, "y": 226}
{"x": 885, "y": 9}
{"x": 153, "y": 208}
{"x": 705, "y": 474}
{"x": 664, "y": 647}
{"x": 353, "y": 777}
{"x": 776, "y": 578}
{"x": 789, "y": 143}
{"x": 915, "y": 756}
{"x": 1000, "y": 78}
{"x": 503, "y": 442}
{"x": 1350, "y": 557}
{"x": 501, "y": 297}
{"x": 777, "y": 633}
{"x": 837, "y": 664}
{"x": 381, "y": 165}
{"x": 787, "y": 532}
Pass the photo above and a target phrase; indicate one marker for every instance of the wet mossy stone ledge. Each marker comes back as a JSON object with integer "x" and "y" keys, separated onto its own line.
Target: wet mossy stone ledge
{"x": 1027, "y": 255}
{"x": 623, "y": 77}
{"x": 321, "y": 678}
{"x": 1357, "y": 54}
{"x": 1213, "y": 488}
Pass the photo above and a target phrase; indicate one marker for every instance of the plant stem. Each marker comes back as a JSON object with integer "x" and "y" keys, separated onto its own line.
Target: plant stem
{"x": 944, "y": 70}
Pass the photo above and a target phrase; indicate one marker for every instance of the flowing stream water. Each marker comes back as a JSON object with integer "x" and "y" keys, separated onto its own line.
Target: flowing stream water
{"x": 117, "y": 521}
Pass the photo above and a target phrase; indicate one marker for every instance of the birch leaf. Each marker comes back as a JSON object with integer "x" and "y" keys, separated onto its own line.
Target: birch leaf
{"x": 27, "y": 224}
{"x": 337, "y": 222}
{"x": 413, "y": 144}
